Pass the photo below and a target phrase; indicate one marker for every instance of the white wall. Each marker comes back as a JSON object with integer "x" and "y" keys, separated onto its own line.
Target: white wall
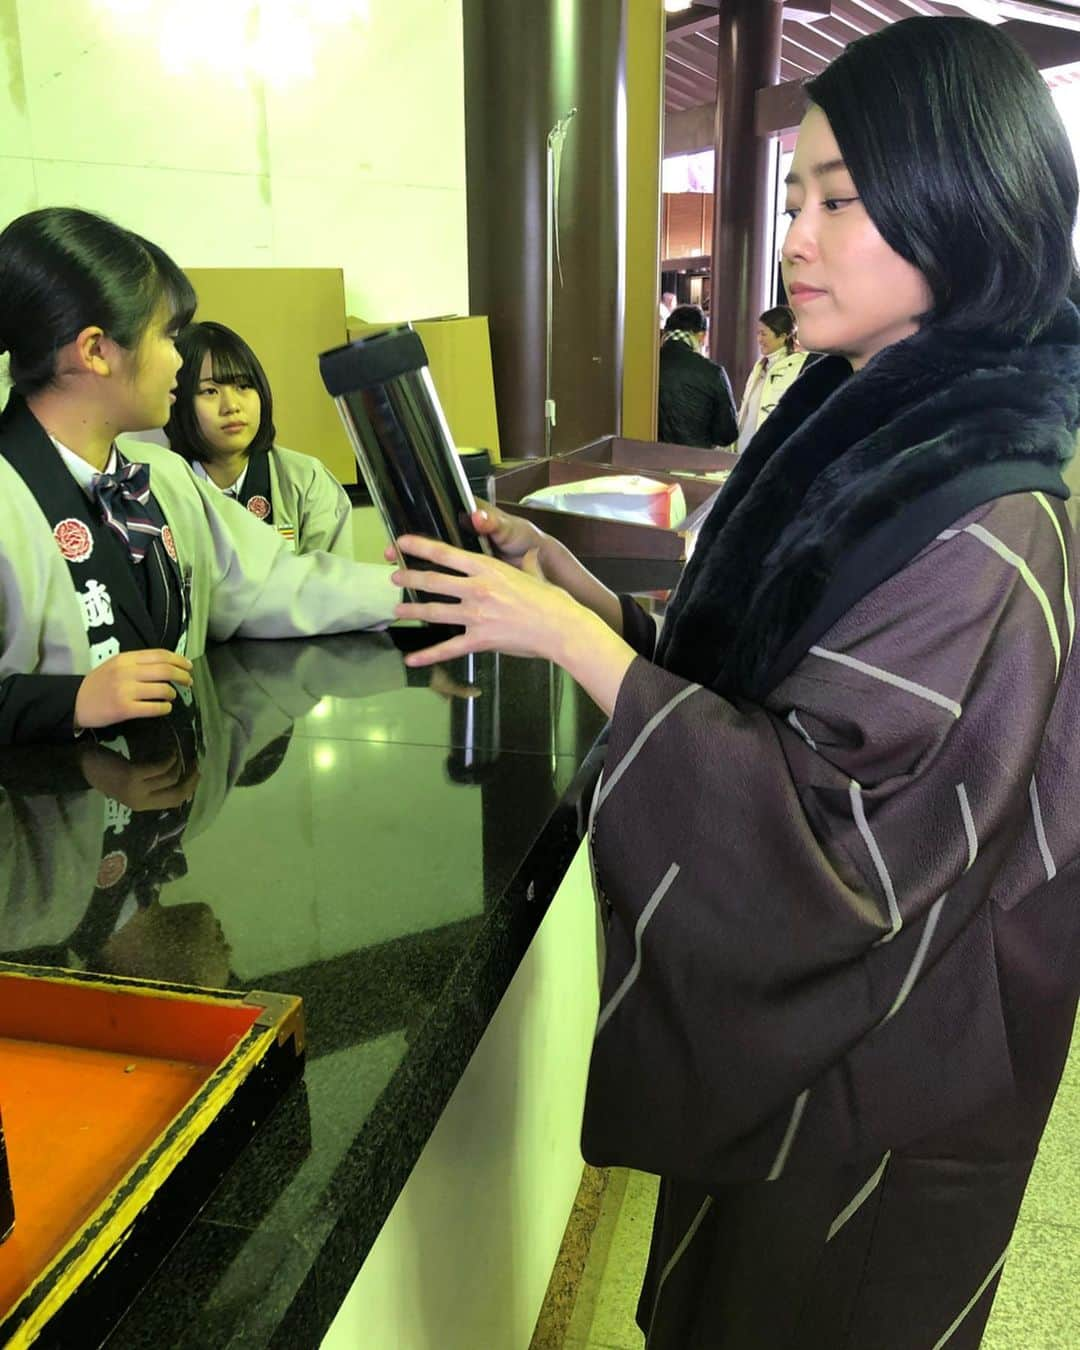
{"x": 251, "y": 133}
{"x": 464, "y": 1259}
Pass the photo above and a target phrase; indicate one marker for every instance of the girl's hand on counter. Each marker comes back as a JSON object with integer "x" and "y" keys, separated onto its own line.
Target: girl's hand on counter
{"x": 131, "y": 684}
{"x": 160, "y": 786}
{"x": 512, "y": 609}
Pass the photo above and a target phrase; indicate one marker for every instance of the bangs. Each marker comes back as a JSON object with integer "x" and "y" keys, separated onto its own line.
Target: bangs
{"x": 226, "y": 366}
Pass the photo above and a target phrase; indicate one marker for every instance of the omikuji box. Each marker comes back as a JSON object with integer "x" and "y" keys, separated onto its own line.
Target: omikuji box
{"x": 623, "y": 554}
{"x": 655, "y": 457}
{"x": 124, "y": 1102}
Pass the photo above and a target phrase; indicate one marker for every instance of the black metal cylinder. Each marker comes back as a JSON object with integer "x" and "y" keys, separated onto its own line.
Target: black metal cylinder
{"x": 384, "y": 392}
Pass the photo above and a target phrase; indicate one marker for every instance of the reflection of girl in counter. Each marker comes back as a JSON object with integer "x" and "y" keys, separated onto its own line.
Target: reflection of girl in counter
{"x": 110, "y": 570}
{"x": 223, "y": 424}
{"x": 837, "y": 838}
{"x": 779, "y": 365}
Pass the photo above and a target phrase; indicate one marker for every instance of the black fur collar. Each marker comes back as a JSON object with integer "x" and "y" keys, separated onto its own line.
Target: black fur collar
{"x": 840, "y": 457}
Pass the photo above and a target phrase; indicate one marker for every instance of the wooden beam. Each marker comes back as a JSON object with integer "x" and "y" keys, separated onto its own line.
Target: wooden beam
{"x": 800, "y": 59}
{"x": 804, "y": 11}
{"x": 693, "y": 20}
{"x": 693, "y": 60}
{"x": 779, "y": 107}
{"x": 1047, "y": 46}
{"x": 799, "y": 35}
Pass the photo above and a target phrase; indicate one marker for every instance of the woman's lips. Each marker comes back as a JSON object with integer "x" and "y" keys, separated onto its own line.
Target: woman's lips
{"x": 799, "y": 293}
{"x": 230, "y": 428}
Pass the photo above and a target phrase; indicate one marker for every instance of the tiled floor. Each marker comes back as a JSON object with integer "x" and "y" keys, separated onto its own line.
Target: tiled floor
{"x": 1038, "y": 1302}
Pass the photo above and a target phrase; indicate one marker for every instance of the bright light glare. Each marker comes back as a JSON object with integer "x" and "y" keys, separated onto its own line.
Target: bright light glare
{"x": 324, "y": 757}
{"x": 237, "y": 40}
{"x": 676, "y": 6}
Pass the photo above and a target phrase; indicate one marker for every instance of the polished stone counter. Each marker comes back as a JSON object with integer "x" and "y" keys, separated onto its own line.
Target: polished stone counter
{"x": 383, "y": 843}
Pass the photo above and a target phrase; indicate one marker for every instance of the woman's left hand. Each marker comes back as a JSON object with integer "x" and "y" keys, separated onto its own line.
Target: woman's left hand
{"x": 501, "y": 607}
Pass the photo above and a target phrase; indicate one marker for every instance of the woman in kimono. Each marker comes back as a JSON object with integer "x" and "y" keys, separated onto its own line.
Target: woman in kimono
{"x": 837, "y": 839}
{"x": 223, "y": 424}
{"x": 108, "y": 583}
{"x": 780, "y": 364}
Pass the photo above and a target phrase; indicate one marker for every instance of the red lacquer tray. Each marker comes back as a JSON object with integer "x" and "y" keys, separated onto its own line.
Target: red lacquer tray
{"x": 123, "y": 1102}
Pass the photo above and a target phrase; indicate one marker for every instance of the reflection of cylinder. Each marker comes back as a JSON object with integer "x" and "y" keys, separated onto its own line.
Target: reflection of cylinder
{"x": 7, "y": 1202}
{"x": 474, "y": 722}
{"x": 386, "y": 398}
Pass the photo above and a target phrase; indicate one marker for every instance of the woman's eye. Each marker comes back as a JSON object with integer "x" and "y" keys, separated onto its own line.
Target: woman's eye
{"x": 790, "y": 211}
{"x": 834, "y": 204}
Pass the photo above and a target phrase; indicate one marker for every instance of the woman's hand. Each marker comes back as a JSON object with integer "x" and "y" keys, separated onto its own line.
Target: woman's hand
{"x": 510, "y": 536}
{"x": 510, "y": 609}
{"x": 130, "y": 685}
{"x": 502, "y": 607}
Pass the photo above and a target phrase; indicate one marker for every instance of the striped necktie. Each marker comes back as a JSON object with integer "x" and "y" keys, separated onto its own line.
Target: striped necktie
{"x": 124, "y": 499}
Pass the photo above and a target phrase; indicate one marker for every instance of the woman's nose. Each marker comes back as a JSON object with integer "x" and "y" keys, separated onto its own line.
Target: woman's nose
{"x": 799, "y": 241}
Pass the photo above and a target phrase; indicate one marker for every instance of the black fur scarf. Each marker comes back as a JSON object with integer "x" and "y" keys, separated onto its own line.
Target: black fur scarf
{"x": 840, "y": 456}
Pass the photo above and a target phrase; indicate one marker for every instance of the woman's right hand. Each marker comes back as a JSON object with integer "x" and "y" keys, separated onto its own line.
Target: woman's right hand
{"x": 130, "y": 685}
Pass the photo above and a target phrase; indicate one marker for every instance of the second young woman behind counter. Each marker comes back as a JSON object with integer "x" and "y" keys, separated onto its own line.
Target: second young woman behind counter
{"x": 223, "y": 425}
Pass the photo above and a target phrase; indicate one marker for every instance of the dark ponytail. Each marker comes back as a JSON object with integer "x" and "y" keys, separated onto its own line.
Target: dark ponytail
{"x": 63, "y": 270}
{"x": 781, "y": 322}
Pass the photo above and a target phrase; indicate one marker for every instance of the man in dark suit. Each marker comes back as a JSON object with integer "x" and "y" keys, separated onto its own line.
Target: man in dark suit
{"x": 696, "y": 403}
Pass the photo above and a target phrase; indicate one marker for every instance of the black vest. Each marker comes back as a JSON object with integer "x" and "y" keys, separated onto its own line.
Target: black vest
{"x": 127, "y": 606}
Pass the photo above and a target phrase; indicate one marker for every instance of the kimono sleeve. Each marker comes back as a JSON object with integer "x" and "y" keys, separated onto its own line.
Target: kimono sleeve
{"x": 800, "y": 967}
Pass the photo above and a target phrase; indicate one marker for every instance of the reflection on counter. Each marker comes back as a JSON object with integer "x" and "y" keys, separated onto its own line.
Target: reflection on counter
{"x": 324, "y": 822}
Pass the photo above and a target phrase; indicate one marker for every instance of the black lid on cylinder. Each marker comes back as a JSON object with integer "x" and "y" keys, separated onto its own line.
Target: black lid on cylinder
{"x": 372, "y": 361}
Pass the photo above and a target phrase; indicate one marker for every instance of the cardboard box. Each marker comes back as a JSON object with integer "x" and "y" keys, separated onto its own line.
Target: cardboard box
{"x": 623, "y": 554}
{"x": 653, "y": 456}
{"x": 459, "y": 354}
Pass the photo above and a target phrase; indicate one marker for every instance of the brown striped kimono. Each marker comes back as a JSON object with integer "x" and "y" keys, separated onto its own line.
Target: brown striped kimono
{"x": 843, "y": 943}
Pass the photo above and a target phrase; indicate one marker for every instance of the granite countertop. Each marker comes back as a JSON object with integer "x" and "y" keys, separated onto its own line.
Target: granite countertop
{"x": 383, "y": 844}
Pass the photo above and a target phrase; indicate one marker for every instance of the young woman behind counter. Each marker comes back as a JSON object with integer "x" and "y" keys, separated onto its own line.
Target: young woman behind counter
{"x": 113, "y": 571}
{"x": 837, "y": 838}
{"x": 223, "y": 424}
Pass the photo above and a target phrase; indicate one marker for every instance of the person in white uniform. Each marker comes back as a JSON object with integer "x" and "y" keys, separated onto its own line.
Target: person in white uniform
{"x": 780, "y": 364}
{"x": 222, "y": 423}
{"x": 110, "y": 579}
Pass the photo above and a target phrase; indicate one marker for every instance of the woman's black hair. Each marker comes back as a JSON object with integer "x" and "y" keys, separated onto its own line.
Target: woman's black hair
{"x": 962, "y": 162}
{"x": 232, "y": 360}
{"x": 781, "y": 322}
{"x": 686, "y": 319}
{"x": 63, "y": 270}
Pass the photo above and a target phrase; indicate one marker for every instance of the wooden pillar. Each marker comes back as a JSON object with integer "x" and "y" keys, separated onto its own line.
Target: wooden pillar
{"x": 748, "y": 58}
{"x": 527, "y": 65}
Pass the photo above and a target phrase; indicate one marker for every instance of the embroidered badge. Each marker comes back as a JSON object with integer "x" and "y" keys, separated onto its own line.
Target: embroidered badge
{"x": 169, "y": 543}
{"x": 102, "y": 651}
{"x": 96, "y": 604}
{"x": 112, "y": 868}
{"x": 259, "y": 507}
{"x": 74, "y": 539}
